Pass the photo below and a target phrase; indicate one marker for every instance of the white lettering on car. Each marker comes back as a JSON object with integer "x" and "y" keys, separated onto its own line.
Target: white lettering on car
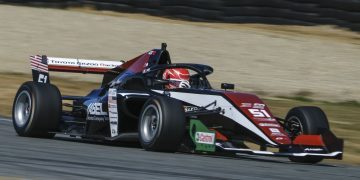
{"x": 205, "y": 138}
{"x": 258, "y": 106}
{"x": 269, "y": 125}
{"x": 113, "y": 111}
{"x": 42, "y": 78}
{"x": 96, "y": 109}
{"x": 190, "y": 108}
{"x": 313, "y": 149}
{"x": 259, "y": 113}
{"x": 274, "y": 130}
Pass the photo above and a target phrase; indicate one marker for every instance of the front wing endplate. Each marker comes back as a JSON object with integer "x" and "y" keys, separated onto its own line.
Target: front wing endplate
{"x": 203, "y": 138}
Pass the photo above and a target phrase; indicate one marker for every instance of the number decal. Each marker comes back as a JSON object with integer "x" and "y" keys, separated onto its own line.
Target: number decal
{"x": 266, "y": 113}
{"x": 259, "y": 113}
{"x": 42, "y": 78}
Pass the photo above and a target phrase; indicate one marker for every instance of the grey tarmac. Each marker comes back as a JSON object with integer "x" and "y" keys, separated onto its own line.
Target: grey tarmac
{"x": 69, "y": 158}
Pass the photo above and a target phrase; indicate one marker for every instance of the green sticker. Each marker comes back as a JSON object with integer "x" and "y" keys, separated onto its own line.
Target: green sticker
{"x": 203, "y": 138}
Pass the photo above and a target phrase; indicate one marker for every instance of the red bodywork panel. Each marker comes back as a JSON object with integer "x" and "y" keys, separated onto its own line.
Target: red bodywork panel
{"x": 77, "y": 69}
{"x": 309, "y": 140}
{"x": 255, "y": 110}
{"x": 137, "y": 64}
{"x": 219, "y": 136}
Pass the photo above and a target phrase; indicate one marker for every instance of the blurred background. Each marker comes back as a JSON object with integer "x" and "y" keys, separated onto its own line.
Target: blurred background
{"x": 289, "y": 52}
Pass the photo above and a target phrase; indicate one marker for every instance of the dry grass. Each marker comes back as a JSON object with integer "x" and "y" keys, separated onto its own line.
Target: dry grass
{"x": 276, "y": 59}
{"x": 343, "y": 117}
{"x": 10, "y": 82}
{"x": 323, "y": 31}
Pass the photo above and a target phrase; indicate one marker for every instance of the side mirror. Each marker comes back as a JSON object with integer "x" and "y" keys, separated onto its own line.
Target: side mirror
{"x": 227, "y": 86}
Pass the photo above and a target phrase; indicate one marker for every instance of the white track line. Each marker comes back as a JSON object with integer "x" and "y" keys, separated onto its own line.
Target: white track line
{"x": 3, "y": 119}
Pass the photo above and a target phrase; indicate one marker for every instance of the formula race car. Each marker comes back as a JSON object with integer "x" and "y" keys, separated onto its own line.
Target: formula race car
{"x": 167, "y": 107}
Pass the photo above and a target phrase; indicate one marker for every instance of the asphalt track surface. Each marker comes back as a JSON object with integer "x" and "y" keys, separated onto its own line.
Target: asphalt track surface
{"x": 67, "y": 158}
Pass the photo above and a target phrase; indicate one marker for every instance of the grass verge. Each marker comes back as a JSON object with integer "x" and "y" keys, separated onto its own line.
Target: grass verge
{"x": 343, "y": 116}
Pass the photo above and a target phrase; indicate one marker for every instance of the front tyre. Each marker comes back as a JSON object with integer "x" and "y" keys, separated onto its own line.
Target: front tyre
{"x": 306, "y": 120}
{"x": 161, "y": 124}
{"x": 36, "y": 110}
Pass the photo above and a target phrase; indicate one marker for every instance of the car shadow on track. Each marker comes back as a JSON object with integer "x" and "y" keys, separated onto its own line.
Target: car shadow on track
{"x": 269, "y": 159}
{"x": 99, "y": 142}
{"x": 245, "y": 157}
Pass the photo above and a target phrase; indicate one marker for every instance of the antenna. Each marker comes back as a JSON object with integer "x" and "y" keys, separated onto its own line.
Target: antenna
{"x": 163, "y": 46}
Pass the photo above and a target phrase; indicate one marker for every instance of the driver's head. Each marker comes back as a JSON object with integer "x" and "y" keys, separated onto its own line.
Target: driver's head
{"x": 178, "y": 77}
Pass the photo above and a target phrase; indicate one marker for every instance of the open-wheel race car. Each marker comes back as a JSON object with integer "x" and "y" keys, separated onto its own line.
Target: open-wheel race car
{"x": 167, "y": 107}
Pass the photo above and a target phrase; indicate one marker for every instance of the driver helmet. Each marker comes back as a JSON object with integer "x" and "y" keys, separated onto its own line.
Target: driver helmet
{"x": 178, "y": 77}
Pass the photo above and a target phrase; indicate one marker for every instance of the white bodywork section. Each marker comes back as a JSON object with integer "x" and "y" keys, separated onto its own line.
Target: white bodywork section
{"x": 113, "y": 112}
{"x": 229, "y": 110}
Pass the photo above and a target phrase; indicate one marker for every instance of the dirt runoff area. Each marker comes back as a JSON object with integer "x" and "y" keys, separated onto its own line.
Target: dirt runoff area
{"x": 273, "y": 60}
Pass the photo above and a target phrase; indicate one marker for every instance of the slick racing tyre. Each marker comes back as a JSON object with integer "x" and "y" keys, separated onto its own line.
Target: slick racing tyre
{"x": 37, "y": 110}
{"x": 161, "y": 124}
{"x": 306, "y": 120}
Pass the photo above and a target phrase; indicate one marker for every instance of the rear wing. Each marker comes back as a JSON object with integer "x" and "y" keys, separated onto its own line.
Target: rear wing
{"x": 41, "y": 65}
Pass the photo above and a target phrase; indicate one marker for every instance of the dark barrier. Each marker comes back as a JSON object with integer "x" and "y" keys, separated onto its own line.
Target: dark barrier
{"x": 344, "y": 13}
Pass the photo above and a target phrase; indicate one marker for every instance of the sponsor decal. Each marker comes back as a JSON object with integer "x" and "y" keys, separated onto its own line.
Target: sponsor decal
{"x": 269, "y": 125}
{"x": 266, "y": 119}
{"x": 113, "y": 122}
{"x": 190, "y": 108}
{"x": 42, "y": 78}
{"x": 274, "y": 130}
{"x": 259, "y": 113}
{"x": 82, "y": 63}
{"x": 246, "y": 105}
{"x": 113, "y": 131}
{"x": 277, "y": 134}
{"x": 112, "y": 109}
{"x": 313, "y": 149}
{"x": 279, "y": 138}
{"x": 96, "y": 109}
{"x": 258, "y": 106}
{"x": 112, "y": 92}
{"x": 112, "y": 105}
{"x": 205, "y": 138}
{"x": 95, "y": 112}
{"x": 97, "y": 118}
{"x": 146, "y": 70}
{"x": 152, "y": 52}
{"x": 62, "y": 62}
{"x": 113, "y": 112}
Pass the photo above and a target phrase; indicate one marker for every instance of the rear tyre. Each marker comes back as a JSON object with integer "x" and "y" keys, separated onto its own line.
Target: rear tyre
{"x": 161, "y": 124}
{"x": 37, "y": 110}
{"x": 306, "y": 120}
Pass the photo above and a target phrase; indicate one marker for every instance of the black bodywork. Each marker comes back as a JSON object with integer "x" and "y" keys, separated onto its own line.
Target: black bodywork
{"x": 133, "y": 90}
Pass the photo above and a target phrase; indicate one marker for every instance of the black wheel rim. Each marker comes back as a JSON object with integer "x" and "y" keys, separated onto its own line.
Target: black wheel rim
{"x": 294, "y": 127}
